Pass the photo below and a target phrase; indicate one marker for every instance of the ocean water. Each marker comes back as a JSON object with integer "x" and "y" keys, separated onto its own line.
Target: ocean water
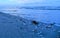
{"x": 34, "y": 14}
{"x": 20, "y": 23}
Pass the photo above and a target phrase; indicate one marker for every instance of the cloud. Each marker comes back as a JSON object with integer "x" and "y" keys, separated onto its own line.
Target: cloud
{"x": 26, "y": 1}
{"x": 31, "y": 2}
{"x": 20, "y": 1}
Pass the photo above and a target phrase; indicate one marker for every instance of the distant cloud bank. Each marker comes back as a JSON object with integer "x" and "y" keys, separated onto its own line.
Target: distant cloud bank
{"x": 31, "y": 2}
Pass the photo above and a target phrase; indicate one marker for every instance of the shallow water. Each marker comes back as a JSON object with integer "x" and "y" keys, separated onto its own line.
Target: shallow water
{"x": 17, "y": 27}
{"x": 38, "y": 15}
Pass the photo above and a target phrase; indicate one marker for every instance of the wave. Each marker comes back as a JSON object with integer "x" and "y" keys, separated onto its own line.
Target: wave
{"x": 42, "y": 8}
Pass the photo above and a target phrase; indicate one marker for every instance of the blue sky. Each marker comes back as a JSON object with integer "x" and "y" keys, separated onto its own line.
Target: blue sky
{"x": 20, "y": 1}
{"x": 31, "y": 2}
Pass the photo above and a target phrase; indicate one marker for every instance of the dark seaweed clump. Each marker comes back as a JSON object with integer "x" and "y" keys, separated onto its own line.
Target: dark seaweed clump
{"x": 35, "y": 22}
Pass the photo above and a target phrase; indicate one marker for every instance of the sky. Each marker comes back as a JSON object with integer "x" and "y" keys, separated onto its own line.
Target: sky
{"x": 19, "y": 1}
{"x": 31, "y": 2}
